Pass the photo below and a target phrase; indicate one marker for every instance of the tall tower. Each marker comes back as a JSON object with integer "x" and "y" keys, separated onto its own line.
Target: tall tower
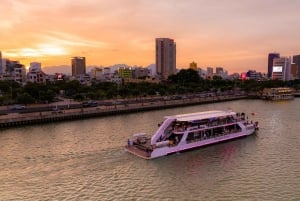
{"x": 271, "y": 57}
{"x": 296, "y": 60}
{"x": 294, "y": 71}
{"x": 165, "y": 57}
{"x": 78, "y": 66}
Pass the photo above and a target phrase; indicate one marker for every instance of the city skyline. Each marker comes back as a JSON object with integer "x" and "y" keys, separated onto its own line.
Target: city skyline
{"x": 237, "y": 36}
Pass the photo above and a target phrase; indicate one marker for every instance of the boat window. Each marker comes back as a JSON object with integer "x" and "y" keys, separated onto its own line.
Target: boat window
{"x": 174, "y": 139}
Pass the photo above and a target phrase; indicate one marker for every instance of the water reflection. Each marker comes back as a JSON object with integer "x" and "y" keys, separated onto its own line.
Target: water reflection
{"x": 85, "y": 160}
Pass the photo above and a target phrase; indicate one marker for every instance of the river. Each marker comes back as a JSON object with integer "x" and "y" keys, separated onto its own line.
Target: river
{"x": 85, "y": 159}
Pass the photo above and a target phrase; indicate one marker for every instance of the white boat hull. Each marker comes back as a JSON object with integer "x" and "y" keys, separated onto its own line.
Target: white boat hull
{"x": 163, "y": 151}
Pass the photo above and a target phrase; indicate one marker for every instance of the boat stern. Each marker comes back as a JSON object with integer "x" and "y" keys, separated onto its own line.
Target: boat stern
{"x": 145, "y": 154}
{"x": 140, "y": 146}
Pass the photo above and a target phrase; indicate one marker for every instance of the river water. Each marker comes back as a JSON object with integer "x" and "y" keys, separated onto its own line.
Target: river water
{"x": 85, "y": 159}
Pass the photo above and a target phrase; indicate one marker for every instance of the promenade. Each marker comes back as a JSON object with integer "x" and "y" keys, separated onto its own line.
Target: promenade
{"x": 18, "y": 119}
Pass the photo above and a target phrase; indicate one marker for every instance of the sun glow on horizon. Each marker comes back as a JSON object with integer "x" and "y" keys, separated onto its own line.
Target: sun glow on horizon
{"x": 52, "y": 50}
{"x": 238, "y": 37}
{"x": 42, "y": 50}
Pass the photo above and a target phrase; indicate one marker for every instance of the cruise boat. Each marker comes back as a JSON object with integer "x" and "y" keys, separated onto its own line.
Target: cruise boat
{"x": 187, "y": 131}
{"x": 275, "y": 94}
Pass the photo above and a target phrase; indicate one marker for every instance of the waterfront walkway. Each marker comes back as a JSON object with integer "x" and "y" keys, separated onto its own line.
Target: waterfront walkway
{"x": 17, "y": 119}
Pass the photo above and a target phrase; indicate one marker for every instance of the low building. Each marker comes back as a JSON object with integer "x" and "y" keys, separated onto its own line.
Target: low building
{"x": 125, "y": 72}
{"x": 84, "y": 79}
{"x": 15, "y": 71}
{"x": 19, "y": 74}
{"x": 147, "y": 79}
{"x": 36, "y": 77}
{"x": 97, "y": 74}
{"x": 35, "y": 74}
{"x": 115, "y": 79}
{"x": 202, "y": 73}
{"x": 210, "y": 72}
{"x": 140, "y": 72}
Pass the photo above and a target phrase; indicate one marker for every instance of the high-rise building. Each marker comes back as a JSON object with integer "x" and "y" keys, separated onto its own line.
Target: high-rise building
{"x": 294, "y": 71}
{"x": 271, "y": 57}
{"x": 281, "y": 69}
{"x": 296, "y": 60}
{"x": 78, "y": 66}
{"x": 165, "y": 57}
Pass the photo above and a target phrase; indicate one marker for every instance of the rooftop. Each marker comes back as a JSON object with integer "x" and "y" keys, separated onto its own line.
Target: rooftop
{"x": 201, "y": 115}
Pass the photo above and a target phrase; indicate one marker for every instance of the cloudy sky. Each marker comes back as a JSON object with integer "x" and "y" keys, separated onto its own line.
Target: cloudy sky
{"x": 235, "y": 34}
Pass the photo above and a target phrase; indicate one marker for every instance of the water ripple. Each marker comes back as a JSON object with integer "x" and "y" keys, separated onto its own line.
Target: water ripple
{"x": 85, "y": 160}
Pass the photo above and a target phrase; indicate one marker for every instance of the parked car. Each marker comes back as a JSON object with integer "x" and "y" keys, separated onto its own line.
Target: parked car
{"x": 56, "y": 110}
{"x": 18, "y": 107}
{"x": 90, "y": 104}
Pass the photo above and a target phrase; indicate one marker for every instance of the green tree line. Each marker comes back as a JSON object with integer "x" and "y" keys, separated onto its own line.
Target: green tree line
{"x": 186, "y": 81}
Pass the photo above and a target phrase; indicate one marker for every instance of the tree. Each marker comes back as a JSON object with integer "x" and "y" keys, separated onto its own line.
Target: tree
{"x": 5, "y": 86}
{"x": 46, "y": 96}
{"x": 72, "y": 87}
{"x": 25, "y": 98}
{"x": 124, "y": 92}
{"x": 92, "y": 95}
{"x": 185, "y": 76}
{"x": 78, "y": 97}
{"x": 135, "y": 93}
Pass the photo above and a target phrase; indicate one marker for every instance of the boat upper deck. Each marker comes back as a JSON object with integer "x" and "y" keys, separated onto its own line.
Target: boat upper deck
{"x": 202, "y": 115}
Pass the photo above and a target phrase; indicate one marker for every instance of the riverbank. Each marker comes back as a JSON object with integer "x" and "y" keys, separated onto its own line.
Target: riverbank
{"x": 19, "y": 119}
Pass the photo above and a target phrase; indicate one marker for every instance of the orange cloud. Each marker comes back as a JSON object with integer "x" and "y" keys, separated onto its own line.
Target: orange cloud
{"x": 216, "y": 33}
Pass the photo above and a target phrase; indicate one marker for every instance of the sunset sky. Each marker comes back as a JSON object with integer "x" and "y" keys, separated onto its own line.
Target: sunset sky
{"x": 235, "y": 34}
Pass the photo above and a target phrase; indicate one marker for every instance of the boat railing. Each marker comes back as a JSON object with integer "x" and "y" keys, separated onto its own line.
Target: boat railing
{"x": 192, "y": 128}
{"x": 210, "y": 126}
{"x": 139, "y": 135}
{"x": 216, "y": 135}
{"x": 178, "y": 132}
{"x": 182, "y": 129}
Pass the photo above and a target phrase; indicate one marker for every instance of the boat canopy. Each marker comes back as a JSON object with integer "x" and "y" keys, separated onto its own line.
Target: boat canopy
{"x": 202, "y": 115}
